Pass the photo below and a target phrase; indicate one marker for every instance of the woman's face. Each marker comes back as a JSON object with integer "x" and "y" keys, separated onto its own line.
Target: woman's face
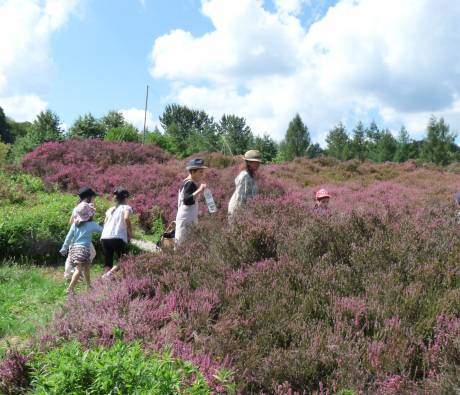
{"x": 253, "y": 165}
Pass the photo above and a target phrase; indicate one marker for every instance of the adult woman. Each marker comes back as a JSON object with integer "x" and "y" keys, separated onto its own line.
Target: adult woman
{"x": 117, "y": 230}
{"x": 246, "y": 187}
{"x": 187, "y": 203}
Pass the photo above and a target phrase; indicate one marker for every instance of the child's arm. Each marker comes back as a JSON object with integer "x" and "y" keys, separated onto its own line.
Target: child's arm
{"x": 68, "y": 240}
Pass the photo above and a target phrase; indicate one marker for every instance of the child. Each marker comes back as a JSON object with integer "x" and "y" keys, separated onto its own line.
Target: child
{"x": 86, "y": 196}
{"x": 117, "y": 231}
{"x": 79, "y": 240}
{"x": 322, "y": 202}
{"x": 187, "y": 211}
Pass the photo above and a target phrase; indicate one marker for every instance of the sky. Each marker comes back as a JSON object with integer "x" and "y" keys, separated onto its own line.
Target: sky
{"x": 395, "y": 62}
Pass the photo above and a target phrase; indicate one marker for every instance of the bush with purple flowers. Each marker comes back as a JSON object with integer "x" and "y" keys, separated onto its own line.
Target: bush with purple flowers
{"x": 362, "y": 298}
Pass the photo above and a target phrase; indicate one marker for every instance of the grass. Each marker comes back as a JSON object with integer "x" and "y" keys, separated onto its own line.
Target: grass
{"x": 29, "y": 296}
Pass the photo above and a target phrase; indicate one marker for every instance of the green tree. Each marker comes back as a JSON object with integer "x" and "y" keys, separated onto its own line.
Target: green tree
{"x": 87, "y": 127}
{"x": 338, "y": 143}
{"x": 439, "y": 146}
{"x": 5, "y": 131}
{"x": 405, "y": 148}
{"x": 237, "y": 133}
{"x": 45, "y": 128}
{"x": 386, "y": 147}
{"x": 18, "y": 129}
{"x": 112, "y": 120}
{"x": 314, "y": 150}
{"x": 123, "y": 133}
{"x": 163, "y": 140}
{"x": 358, "y": 143}
{"x": 190, "y": 130}
{"x": 296, "y": 141}
{"x": 267, "y": 147}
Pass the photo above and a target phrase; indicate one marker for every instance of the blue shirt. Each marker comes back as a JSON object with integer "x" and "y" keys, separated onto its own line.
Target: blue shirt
{"x": 81, "y": 235}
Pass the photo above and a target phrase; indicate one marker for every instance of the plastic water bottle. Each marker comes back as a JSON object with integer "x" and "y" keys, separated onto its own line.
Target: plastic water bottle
{"x": 212, "y": 208}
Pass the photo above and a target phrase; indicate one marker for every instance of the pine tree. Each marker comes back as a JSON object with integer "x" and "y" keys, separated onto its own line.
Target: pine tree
{"x": 296, "y": 141}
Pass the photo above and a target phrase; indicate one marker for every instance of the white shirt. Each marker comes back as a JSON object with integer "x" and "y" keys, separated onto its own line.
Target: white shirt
{"x": 115, "y": 224}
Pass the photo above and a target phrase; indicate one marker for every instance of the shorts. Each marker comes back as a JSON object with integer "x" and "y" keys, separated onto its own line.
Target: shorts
{"x": 79, "y": 254}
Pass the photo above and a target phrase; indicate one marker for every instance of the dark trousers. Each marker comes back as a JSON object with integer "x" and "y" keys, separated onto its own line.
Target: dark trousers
{"x": 111, "y": 247}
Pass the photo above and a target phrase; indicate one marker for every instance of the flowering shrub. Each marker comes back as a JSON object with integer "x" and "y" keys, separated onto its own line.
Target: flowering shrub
{"x": 360, "y": 298}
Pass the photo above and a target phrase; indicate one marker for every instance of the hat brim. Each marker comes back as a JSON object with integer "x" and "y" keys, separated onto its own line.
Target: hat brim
{"x": 196, "y": 167}
{"x": 251, "y": 159}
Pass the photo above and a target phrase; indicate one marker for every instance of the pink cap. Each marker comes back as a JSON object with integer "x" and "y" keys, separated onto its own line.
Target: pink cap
{"x": 322, "y": 193}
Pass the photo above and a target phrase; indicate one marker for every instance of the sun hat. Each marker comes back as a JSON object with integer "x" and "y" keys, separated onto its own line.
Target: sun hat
{"x": 321, "y": 194}
{"x": 86, "y": 192}
{"x": 196, "y": 163}
{"x": 121, "y": 193}
{"x": 252, "y": 156}
{"x": 84, "y": 212}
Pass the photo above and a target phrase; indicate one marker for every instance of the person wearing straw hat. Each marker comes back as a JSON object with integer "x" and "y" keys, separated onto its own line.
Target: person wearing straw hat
{"x": 187, "y": 202}
{"x": 246, "y": 187}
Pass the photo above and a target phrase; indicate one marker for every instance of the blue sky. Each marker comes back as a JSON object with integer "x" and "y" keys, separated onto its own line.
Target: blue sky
{"x": 391, "y": 61}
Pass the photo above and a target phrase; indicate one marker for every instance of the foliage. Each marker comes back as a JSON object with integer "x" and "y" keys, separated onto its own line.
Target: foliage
{"x": 237, "y": 134}
{"x": 5, "y": 130}
{"x": 113, "y": 120}
{"x": 267, "y": 147}
{"x": 87, "y": 126}
{"x": 186, "y": 126}
{"x": 123, "y": 133}
{"x": 364, "y": 298}
{"x": 162, "y": 140}
{"x": 338, "y": 143}
{"x": 439, "y": 145}
{"x": 119, "y": 369}
{"x": 46, "y": 127}
{"x": 4, "y": 150}
{"x": 296, "y": 141}
{"x": 28, "y": 296}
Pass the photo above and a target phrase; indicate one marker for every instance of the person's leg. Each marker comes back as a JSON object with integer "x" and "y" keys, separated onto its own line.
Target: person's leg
{"x": 75, "y": 277}
{"x": 68, "y": 269}
{"x": 108, "y": 254}
{"x": 86, "y": 271}
{"x": 120, "y": 248}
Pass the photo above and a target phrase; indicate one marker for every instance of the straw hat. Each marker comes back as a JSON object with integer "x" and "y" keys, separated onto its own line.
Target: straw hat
{"x": 252, "y": 156}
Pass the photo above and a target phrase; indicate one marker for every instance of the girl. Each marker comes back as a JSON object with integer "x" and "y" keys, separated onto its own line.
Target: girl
{"x": 187, "y": 211}
{"x": 79, "y": 240}
{"x": 117, "y": 231}
{"x": 322, "y": 202}
{"x": 87, "y": 196}
{"x": 246, "y": 187}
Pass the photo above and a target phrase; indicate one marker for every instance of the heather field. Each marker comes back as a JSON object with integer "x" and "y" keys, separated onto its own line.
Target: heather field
{"x": 364, "y": 299}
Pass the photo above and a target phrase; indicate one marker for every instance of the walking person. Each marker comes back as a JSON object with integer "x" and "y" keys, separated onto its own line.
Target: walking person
{"x": 78, "y": 241}
{"x": 322, "y": 202}
{"x": 117, "y": 231}
{"x": 187, "y": 202}
{"x": 246, "y": 187}
{"x": 87, "y": 196}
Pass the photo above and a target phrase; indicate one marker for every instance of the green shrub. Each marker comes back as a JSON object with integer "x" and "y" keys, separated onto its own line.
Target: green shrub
{"x": 123, "y": 133}
{"x": 120, "y": 369}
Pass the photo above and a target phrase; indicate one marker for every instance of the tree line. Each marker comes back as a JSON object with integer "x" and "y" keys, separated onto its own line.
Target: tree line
{"x": 187, "y": 131}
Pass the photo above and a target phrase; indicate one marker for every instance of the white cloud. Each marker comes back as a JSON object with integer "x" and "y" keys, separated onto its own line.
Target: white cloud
{"x": 22, "y": 108}
{"x": 398, "y": 59}
{"x": 135, "y": 116}
{"x": 26, "y": 27}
